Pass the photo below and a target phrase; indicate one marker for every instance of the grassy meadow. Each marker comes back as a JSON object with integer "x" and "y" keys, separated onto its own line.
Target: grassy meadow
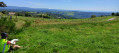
{"x": 91, "y": 35}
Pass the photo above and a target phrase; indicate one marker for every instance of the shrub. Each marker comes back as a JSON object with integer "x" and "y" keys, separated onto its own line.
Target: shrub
{"x": 6, "y": 25}
{"x": 19, "y": 14}
{"x": 43, "y": 16}
{"x": 113, "y": 14}
{"x": 93, "y": 16}
{"x": 27, "y": 14}
{"x": 117, "y": 14}
{"x": 4, "y": 12}
{"x": 102, "y": 16}
{"x": 27, "y": 24}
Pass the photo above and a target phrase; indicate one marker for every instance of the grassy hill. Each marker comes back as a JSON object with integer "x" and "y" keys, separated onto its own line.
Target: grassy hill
{"x": 95, "y": 35}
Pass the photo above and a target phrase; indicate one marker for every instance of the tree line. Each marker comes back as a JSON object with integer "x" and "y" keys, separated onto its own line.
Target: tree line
{"x": 115, "y": 14}
{"x": 38, "y": 14}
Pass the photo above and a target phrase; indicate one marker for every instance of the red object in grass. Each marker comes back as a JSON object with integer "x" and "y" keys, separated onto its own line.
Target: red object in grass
{"x": 8, "y": 42}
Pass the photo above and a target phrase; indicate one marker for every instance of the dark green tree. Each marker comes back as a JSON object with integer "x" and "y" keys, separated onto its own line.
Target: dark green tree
{"x": 93, "y": 16}
{"x": 102, "y": 16}
{"x": 27, "y": 14}
{"x": 117, "y": 14}
{"x": 20, "y": 14}
{"x": 5, "y": 12}
{"x": 113, "y": 14}
{"x": 2, "y": 4}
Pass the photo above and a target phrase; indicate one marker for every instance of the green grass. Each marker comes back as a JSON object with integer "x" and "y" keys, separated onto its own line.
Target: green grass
{"x": 69, "y": 35}
{"x": 71, "y": 13}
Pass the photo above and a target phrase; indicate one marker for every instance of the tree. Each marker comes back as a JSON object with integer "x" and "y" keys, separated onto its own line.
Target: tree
{"x": 27, "y": 14}
{"x": 4, "y": 12}
{"x": 102, "y": 16}
{"x": 113, "y": 14}
{"x": 18, "y": 14}
{"x": 93, "y": 16}
{"x": 2, "y": 4}
{"x": 117, "y": 14}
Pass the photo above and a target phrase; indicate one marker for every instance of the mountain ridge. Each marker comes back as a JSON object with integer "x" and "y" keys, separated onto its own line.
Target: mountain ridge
{"x": 71, "y": 13}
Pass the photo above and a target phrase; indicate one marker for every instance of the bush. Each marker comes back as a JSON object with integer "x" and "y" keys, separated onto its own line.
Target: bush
{"x": 113, "y": 14}
{"x": 27, "y": 14}
{"x": 117, "y": 14}
{"x": 20, "y": 14}
{"x": 27, "y": 24}
{"x": 93, "y": 16}
{"x": 43, "y": 16}
{"x": 102, "y": 16}
{"x": 4, "y": 12}
{"x": 6, "y": 25}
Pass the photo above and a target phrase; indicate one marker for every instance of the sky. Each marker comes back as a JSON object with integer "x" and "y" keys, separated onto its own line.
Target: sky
{"x": 85, "y": 5}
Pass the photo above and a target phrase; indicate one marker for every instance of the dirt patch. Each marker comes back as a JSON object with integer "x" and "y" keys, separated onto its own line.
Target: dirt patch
{"x": 111, "y": 19}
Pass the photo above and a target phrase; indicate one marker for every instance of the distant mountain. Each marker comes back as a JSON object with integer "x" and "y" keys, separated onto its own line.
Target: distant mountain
{"x": 74, "y": 14}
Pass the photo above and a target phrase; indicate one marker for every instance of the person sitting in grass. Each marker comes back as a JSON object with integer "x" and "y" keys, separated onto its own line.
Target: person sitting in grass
{"x": 5, "y": 45}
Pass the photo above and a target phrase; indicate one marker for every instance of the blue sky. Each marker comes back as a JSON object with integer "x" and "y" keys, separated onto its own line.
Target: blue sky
{"x": 88, "y": 5}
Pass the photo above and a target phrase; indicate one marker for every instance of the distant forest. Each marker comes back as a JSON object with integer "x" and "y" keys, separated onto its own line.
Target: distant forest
{"x": 54, "y": 13}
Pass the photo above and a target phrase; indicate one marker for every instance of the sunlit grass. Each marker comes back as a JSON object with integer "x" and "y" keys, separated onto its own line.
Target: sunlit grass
{"x": 69, "y": 36}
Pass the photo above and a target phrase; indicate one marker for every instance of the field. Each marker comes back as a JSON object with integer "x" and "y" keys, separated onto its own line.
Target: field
{"x": 96, "y": 35}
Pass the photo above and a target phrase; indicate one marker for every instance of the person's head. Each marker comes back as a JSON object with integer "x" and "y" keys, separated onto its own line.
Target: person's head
{"x": 4, "y": 35}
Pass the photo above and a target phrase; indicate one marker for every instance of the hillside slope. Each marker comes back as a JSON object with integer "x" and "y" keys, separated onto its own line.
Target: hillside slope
{"x": 69, "y": 35}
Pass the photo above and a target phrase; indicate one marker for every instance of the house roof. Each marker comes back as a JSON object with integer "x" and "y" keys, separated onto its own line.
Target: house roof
{"x": 12, "y": 13}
